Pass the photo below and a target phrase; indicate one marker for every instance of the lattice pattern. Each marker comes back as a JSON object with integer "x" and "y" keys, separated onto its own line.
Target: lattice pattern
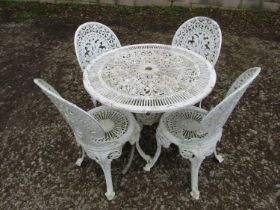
{"x": 93, "y": 39}
{"x": 149, "y": 78}
{"x": 201, "y": 35}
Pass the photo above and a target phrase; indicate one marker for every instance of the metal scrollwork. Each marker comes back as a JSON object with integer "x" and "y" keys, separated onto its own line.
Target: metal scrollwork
{"x": 93, "y": 39}
{"x": 201, "y": 35}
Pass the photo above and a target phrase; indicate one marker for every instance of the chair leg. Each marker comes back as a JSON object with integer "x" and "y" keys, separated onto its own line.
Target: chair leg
{"x": 151, "y": 163}
{"x": 195, "y": 165}
{"x": 124, "y": 171}
{"x": 218, "y": 157}
{"x": 106, "y": 167}
{"x": 81, "y": 159}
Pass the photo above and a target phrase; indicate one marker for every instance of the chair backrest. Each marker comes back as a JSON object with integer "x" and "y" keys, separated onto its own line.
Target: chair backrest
{"x": 201, "y": 35}
{"x": 92, "y": 39}
{"x": 241, "y": 80}
{"x": 85, "y": 127}
{"x": 218, "y": 116}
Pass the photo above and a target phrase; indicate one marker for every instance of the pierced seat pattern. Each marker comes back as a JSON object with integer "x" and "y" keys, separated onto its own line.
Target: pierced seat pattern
{"x": 114, "y": 123}
{"x": 196, "y": 132}
{"x": 201, "y": 35}
{"x": 184, "y": 124}
{"x": 101, "y": 132}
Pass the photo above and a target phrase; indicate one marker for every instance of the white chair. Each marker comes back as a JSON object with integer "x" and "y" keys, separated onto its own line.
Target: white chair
{"x": 92, "y": 39}
{"x": 196, "y": 131}
{"x": 101, "y": 132}
{"x": 201, "y": 35}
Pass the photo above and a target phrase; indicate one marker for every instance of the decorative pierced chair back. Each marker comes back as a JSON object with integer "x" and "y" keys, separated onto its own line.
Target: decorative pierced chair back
{"x": 93, "y": 39}
{"x": 201, "y": 35}
{"x": 85, "y": 127}
{"x": 218, "y": 116}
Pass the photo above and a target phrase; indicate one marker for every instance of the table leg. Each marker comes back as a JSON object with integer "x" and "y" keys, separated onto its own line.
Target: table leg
{"x": 146, "y": 119}
{"x": 151, "y": 163}
{"x": 146, "y": 157}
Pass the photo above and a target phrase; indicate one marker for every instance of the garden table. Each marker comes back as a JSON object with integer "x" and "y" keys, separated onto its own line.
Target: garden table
{"x": 149, "y": 78}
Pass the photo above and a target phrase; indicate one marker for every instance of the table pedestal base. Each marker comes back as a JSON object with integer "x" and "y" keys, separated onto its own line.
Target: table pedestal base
{"x": 148, "y": 118}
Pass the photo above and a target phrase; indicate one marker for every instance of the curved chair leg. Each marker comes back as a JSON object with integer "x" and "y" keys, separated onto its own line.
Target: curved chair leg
{"x": 195, "y": 165}
{"x": 124, "y": 171}
{"x": 151, "y": 163}
{"x": 146, "y": 157}
{"x": 106, "y": 167}
{"x": 218, "y": 157}
{"x": 81, "y": 159}
{"x": 200, "y": 104}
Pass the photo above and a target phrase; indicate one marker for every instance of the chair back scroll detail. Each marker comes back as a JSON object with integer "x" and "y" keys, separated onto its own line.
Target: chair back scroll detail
{"x": 201, "y": 35}
{"x": 92, "y": 39}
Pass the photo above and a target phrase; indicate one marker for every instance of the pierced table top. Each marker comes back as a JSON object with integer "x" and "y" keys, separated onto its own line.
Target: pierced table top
{"x": 149, "y": 78}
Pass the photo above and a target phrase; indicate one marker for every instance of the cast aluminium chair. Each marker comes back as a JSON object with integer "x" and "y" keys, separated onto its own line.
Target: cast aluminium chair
{"x": 101, "y": 132}
{"x": 93, "y": 39}
{"x": 196, "y": 131}
{"x": 201, "y": 35}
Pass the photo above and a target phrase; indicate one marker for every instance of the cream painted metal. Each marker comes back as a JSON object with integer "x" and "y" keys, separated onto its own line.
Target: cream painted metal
{"x": 196, "y": 131}
{"x": 149, "y": 78}
{"x": 101, "y": 132}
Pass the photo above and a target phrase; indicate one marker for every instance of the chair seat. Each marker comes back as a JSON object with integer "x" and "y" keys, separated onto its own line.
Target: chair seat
{"x": 185, "y": 124}
{"x": 117, "y": 124}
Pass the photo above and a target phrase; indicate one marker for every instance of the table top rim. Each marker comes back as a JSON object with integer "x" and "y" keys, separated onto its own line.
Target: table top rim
{"x": 149, "y": 109}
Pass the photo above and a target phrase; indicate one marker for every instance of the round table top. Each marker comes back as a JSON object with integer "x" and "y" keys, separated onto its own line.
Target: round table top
{"x": 149, "y": 78}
